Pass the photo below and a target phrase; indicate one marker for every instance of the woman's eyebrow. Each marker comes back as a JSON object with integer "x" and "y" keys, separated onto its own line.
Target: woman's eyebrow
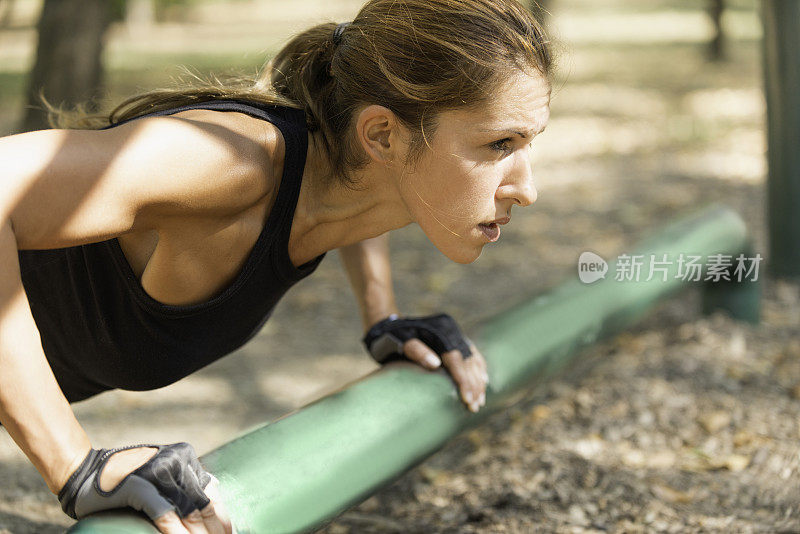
{"x": 522, "y": 132}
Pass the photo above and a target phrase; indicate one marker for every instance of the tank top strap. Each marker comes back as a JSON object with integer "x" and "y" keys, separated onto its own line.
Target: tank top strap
{"x": 292, "y": 125}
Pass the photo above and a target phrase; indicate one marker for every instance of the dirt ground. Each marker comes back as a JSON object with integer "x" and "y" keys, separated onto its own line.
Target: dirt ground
{"x": 684, "y": 423}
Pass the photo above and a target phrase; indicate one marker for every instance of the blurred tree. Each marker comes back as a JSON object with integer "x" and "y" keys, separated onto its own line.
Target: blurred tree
{"x": 781, "y": 53}
{"x": 119, "y": 9}
{"x": 6, "y": 8}
{"x": 139, "y": 14}
{"x": 167, "y": 9}
{"x": 69, "y": 65}
{"x": 716, "y": 49}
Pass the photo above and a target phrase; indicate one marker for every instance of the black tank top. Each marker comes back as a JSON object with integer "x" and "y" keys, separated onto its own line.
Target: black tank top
{"x": 100, "y": 330}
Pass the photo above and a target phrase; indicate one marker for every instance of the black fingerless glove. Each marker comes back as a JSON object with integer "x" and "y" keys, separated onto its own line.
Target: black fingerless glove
{"x": 173, "y": 479}
{"x": 384, "y": 340}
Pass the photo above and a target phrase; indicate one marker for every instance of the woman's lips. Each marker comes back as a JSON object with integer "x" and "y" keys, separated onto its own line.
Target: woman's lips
{"x": 491, "y": 231}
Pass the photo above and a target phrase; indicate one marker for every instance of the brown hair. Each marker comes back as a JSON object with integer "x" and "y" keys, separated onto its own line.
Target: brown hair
{"x": 418, "y": 58}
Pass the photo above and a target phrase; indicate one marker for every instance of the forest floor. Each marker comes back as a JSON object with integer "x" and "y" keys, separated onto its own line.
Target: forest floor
{"x": 683, "y": 423}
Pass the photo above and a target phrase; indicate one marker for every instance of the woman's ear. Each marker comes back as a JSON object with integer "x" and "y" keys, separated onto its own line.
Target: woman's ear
{"x": 378, "y": 131}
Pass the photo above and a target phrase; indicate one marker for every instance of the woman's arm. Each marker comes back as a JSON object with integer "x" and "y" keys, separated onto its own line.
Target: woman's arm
{"x": 367, "y": 266}
{"x": 61, "y": 188}
{"x": 32, "y": 407}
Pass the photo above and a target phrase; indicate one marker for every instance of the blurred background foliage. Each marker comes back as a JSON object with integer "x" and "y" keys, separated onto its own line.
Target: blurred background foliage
{"x": 139, "y": 44}
{"x": 136, "y": 45}
{"x": 647, "y": 120}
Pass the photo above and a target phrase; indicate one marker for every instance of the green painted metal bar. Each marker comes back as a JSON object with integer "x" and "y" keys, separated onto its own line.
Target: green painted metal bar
{"x": 781, "y": 51}
{"x": 300, "y": 471}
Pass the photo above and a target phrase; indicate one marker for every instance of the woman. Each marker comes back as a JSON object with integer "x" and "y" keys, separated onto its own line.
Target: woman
{"x": 159, "y": 238}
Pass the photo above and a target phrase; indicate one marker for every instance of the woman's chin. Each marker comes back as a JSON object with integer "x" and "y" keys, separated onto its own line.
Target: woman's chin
{"x": 463, "y": 254}
{"x": 464, "y": 248}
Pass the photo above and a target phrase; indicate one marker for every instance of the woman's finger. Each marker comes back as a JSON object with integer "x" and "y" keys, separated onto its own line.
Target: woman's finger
{"x": 417, "y": 351}
{"x": 479, "y": 359}
{"x": 479, "y": 368}
{"x": 194, "y": 523}
{"x": 469, "y": 374}
{"x": 480, "y": 363}
{"x": 469, "y": 384}
{"x": 215, "y": 514}
{"x": 170, "y": 523}
{"x": 212, "y": 522}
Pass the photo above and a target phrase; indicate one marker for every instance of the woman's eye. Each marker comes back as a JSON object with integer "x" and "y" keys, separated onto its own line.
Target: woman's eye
{"x": 504, "y": 146}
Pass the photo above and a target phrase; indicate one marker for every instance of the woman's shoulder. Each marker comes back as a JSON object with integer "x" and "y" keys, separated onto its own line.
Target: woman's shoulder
{"x": 199, "y": 164}
{"x": 256, "y": 144}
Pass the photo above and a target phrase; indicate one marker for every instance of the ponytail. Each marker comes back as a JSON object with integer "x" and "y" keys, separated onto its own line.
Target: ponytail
{"x": 302, "y": 72}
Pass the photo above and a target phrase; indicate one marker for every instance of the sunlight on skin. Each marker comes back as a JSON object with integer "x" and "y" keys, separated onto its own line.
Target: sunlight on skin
{"x": 478, "y": 167}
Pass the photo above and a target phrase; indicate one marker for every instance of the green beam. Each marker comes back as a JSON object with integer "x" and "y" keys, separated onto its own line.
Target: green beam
{"x": 300, "y": 471}
{"x": 781, "y": 47}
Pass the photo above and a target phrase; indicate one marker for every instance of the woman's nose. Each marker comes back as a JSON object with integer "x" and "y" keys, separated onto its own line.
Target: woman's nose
{"x": 519, "y": 183}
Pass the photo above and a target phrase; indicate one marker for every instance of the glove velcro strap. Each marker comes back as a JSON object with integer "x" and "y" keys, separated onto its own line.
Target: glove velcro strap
{"x": 385, "y": 339}
{"x": 386, "y": 347}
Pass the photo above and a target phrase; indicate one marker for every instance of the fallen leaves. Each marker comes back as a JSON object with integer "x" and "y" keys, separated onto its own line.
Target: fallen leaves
{"x": 539, "y": 413}
{"x": 671, "y": 495}
{"x": 715, "y": 421}
{"x": 695, "y": 460}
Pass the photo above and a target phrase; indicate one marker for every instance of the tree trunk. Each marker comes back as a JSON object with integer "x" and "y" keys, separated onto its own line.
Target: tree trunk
{"x": 6, "y": 10}
{"x": 781, "y": 53}
{"x": 716, "y": 48}
{"x": 68, "y": 57}
{"x": 140, "y": 15}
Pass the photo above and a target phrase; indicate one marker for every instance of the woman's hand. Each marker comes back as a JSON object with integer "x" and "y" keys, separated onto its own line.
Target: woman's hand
{"x": 422, "y": 340}
{"x": 470, "y": 374}
{"x": 166, "y": 482}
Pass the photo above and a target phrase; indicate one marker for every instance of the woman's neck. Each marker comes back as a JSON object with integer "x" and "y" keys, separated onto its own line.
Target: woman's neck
{"x": 330, "y": 215}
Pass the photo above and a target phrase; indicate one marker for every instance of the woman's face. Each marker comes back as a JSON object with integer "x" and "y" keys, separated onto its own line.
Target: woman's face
{"x": 477, "y": 167}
